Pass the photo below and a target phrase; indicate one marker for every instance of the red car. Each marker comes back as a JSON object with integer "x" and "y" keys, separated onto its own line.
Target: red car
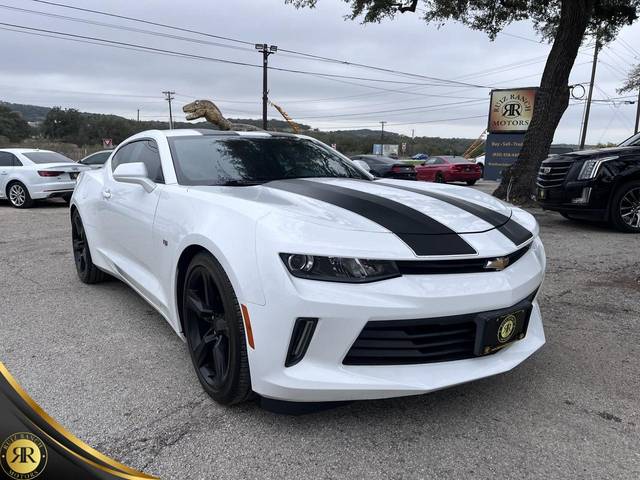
{"x": 444, "y": 169}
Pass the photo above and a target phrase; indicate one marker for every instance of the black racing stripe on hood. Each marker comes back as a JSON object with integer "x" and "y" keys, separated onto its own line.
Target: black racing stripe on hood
{"x": 422, "y": 233}
{"x": 505, "y": 225}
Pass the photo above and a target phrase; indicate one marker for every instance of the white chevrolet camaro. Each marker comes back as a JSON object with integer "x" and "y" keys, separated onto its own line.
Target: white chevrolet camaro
{"x": 292, "y": 273}
{"x": 30, "y": 174}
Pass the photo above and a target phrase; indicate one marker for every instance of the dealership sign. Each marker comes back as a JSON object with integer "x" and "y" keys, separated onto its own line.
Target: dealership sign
{"x": 511, "y": 110}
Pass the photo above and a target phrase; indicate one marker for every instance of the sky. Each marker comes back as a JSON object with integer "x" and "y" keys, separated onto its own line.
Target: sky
{"x": 47, "y": 71}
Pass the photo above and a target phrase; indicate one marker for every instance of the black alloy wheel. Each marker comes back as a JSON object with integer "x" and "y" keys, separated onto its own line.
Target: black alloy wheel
{"x": 214, "y": 329}
{"x": 87, "y": 271}
{"x": 625, "y": 208}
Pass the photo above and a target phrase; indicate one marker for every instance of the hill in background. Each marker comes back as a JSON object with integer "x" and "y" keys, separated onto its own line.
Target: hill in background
{"x": 347, "y": 141}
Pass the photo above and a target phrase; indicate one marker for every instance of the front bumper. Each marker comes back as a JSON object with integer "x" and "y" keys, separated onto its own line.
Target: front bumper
{"x": 343, "y": 310}
{"x": 580, "y": 198}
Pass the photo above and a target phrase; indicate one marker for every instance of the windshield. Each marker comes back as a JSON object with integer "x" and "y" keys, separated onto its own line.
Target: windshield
{"x": 97, "y": 158}
{"x": 47, "y": 157}
{"x": 204, "y": 160}
{"x": 631, "y": 142}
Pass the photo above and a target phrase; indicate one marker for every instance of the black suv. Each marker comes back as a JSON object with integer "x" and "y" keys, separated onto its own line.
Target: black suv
{"x": 595, "y": 184}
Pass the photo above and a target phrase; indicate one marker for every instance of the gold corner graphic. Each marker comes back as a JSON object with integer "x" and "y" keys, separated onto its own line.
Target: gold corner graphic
{"x": 24, "y": 455}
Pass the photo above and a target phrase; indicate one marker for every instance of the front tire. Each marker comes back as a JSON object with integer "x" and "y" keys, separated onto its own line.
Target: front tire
{"x": 87, "y": 271}
{"x": 18, "y": 195}
{"x": 439, "y": 178}
{"x": 471, "y": 182}
{"x": 214, "y": 329}
{"x": 625, "y": 208}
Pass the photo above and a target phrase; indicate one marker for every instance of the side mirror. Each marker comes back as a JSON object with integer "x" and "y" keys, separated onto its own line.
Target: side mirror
{"x": 135, "y": 173}
{"x": 362, "y": 164}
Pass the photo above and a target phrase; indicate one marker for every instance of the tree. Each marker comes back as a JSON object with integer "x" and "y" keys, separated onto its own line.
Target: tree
{"x": 565, "y": 23}
{"x": 62, "y": 124}
{"x": 632, "y": 83}
{"x": 12, "y": 125}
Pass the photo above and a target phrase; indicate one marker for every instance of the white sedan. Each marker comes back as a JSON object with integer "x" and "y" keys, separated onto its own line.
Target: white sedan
{"x": 29, "y": 174}
{"x": 293, "y": 273}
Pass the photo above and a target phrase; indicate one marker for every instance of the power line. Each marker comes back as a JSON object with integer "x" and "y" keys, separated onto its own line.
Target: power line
{"x": 303, "y": 54}
{"x": 106, "y": 42}
{"x": 148, "y": 22}
{"x": 123, "y": 27}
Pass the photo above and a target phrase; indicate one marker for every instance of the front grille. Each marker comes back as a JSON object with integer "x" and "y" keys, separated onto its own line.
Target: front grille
{"x": 423, "y": 340}
{"x": 552, "y": 174}
{"x": 403, "y": 342}
{"x": 471, "y": 265}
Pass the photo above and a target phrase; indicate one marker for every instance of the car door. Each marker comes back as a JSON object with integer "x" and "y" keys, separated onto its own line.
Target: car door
{"x": 7, "y": 167}
{"x": 128, "y": 216}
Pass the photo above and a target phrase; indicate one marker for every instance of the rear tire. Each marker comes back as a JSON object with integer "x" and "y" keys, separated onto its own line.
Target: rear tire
{"x": 471, "y": 182}
{"x": 214, "y": 329}
{"x": 625, "y": 208}
{"x": 67, "y": 198}
{"x": 439, "y": 178}
{"x": 18, "y": 195}
{"x": 87, "y": 271}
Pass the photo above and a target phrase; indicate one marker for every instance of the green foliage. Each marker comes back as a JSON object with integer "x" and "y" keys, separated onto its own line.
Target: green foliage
{"x": 606, "y": 16}
{"x": 353, "y": 142}
{"x": 31, "y": 113}
{"x": 632, "y": 83}
{"x": 12, "y": 126}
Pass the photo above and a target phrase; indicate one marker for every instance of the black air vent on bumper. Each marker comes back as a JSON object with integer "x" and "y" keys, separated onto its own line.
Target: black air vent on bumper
{"x": 413, "y": 341}
{"x": 300, "y": 339}
{"x": 423, "y": 340}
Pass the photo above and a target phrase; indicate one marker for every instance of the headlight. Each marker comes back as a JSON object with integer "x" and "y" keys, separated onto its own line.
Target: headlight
{"x": 339, "y": 269}
{"x": 590, "y": 167}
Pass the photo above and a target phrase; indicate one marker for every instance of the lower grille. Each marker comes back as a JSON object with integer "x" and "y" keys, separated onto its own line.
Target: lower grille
{"x": 413, "y": 341}
{"x": 423, "y": 340}
{"x": 552, "y": 174}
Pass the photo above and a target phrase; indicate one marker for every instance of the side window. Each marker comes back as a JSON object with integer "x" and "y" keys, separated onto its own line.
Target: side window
{"x": 145, "y": 151}
{"x": 124, "y": 155}
{"x": 439, "y": 161}
{"x": 6, "y": 159}
{"x": 431, "y": 161}
{"x": 149, "y": 155}
{"x": 16, "y": 162}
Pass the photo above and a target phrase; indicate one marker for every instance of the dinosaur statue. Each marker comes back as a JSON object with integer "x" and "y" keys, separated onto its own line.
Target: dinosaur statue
{"x": 207, "y": 109}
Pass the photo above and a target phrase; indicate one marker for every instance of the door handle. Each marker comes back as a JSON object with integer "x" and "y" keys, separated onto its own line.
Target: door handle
{"x": 106, "y": 193}
{"x": 3, "y": 173}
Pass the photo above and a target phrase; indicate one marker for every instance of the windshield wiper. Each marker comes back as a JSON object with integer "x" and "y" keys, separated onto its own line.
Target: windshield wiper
{"x": 241, "y": 183}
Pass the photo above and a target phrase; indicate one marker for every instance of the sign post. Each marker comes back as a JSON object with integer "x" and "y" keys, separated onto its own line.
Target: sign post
{"x": 509, "y": 118}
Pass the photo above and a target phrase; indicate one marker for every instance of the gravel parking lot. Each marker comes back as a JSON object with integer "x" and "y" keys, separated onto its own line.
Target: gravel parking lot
{"x": 106, "y": 366}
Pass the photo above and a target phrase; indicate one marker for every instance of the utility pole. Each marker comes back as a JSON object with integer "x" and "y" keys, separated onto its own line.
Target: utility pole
{"x": 138, "y": 117}
{"x": 382, "y": 133}
{"x": 170, "y": 96}
{"x": 637, "y": 129}
{"x": 266, "y": 50}
{"x": 585, "y": 125}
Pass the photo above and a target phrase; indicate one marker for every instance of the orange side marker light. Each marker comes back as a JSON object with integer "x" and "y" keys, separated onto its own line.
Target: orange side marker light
{"x": 247, "y": 325}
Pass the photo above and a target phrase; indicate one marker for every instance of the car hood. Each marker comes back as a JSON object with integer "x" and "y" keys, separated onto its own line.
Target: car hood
{"x": 594, "y": 153}
{"x": 359, "y": 204}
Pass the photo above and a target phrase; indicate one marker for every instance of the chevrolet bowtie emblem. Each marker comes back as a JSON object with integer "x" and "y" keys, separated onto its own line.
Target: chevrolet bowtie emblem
{"x": 499, "y": 263}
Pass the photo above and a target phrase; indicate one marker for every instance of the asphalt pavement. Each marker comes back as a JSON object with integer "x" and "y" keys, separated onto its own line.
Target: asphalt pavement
{"x": 107, "y": 367}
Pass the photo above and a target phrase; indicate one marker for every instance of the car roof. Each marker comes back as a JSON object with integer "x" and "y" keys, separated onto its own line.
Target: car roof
{"x": 182, "y": 132}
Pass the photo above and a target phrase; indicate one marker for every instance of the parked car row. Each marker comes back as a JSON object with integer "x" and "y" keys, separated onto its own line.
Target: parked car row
{"x": 441, "y": 169}
{"x": 28, "y": 174}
